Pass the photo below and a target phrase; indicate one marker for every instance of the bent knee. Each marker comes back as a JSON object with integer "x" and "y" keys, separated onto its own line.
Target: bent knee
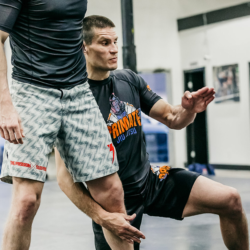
{"x": 26, "y": 208}
{"x": 234, "y": 204}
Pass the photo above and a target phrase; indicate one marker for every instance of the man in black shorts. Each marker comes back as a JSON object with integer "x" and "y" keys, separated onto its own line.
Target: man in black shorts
{"x": 157, "y": 191}
{"x": 50, "y": 96}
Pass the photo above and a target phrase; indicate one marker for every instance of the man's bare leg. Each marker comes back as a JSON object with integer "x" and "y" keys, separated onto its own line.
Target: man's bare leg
{"x": 25, "y": 203}
{"x": 208, "y": 196}
{"x": 108, "y": 192}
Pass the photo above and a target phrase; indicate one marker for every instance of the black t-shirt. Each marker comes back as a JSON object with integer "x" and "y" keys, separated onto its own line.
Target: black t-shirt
{"x": 121, "y": 99}
{"x": 46, "y": 40}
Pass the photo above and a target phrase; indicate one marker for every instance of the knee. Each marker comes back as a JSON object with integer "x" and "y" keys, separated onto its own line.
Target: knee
{"x": 234, "y": 204}
{"x": 26, "y": 208}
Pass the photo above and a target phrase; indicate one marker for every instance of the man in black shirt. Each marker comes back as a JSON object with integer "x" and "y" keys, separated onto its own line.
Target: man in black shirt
{"x": 50, "y": 97}
{"x": 157, "y": 191}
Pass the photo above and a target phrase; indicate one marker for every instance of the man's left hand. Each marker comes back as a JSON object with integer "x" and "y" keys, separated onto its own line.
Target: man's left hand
{"x": 196, "y": 102}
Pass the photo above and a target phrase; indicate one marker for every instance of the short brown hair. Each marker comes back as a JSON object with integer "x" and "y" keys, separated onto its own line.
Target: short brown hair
{"x": 91, "y": 22}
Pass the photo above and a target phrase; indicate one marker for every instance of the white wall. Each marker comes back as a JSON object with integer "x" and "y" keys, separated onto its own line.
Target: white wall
{"x": 157, "y": 42}
{"x": 228, "y": 123}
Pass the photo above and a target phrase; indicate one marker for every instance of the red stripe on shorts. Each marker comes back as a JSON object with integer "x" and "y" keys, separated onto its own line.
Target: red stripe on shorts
{"x": 22, "y": 164}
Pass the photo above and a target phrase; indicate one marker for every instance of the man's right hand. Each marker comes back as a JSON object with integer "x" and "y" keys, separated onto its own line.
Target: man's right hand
{"x": 11, "y": 128}
{"x": 119, "y": 225}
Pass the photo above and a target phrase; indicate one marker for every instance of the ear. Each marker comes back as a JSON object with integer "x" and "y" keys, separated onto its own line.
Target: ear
{"x": 84, "y": 47}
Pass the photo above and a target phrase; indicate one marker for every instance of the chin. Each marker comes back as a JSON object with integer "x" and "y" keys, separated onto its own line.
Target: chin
{"x": 113, "y": 67}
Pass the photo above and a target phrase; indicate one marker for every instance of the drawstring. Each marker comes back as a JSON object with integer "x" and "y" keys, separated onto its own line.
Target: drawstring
{"x": 61, "y": 93}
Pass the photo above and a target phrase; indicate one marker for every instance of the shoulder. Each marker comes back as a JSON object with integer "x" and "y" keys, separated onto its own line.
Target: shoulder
{"x": 126, "y": 75}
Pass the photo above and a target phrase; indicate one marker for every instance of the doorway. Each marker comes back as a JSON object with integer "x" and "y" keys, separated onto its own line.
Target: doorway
{"x": 197, "y": 143}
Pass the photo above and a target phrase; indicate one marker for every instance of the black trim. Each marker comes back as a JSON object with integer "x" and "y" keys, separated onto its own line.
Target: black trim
{"x": 190, "y": 22}
{"x": 231, "y": 167}
{"x": 216, "y": 16}
{"x": 195, "y": 70}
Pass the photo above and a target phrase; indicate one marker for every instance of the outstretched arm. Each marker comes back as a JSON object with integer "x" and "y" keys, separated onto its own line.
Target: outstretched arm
{"x": 178, "y": 117}
{"x": 115, "y": 222}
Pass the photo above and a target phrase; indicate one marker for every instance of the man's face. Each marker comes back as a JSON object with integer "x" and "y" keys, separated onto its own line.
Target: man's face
{"x": 102, "y": 53}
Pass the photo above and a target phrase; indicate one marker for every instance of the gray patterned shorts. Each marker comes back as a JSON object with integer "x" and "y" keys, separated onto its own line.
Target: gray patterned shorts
{"x": 70, "y": 120}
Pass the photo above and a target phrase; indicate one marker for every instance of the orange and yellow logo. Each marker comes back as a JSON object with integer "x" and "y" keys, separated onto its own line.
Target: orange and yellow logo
{"x": 149, "y": 89}
{"x": 127, "y": 122}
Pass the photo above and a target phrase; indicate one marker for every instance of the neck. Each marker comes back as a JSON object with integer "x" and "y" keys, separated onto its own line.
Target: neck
{"x": 97, "y": 75}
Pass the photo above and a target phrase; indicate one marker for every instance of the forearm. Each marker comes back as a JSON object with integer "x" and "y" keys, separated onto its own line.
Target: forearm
{"x": 81, "y": 197}
{"x": 175, "y": 117}
{"x": 4, "y": 88}
{"x": 180, "y": 117}
{"x": 78, "y": 193}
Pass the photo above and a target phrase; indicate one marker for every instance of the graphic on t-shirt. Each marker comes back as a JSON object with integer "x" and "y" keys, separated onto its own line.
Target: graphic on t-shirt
{"x": 161, "y": 172}
{"x": 123, "y": 119}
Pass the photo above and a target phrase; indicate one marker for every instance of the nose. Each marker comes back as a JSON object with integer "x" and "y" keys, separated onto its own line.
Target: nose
{"x": 114, "y": 48}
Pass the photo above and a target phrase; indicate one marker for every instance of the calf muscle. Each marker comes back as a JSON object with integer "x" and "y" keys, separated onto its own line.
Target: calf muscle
{"x": 208, "y": 196}
{"x": 25, "y": 203}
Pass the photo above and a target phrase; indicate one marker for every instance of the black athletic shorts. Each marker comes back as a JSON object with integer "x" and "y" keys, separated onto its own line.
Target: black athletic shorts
{"x": 161, "y": 197}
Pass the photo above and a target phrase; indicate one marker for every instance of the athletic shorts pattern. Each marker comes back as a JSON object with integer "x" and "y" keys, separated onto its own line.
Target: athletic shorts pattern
{"x": 165, "y": 198}
{"x": 71, "y": 120}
